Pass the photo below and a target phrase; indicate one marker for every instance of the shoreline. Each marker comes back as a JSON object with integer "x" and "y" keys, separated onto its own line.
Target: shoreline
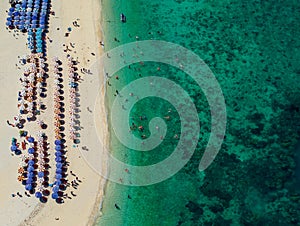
{"x": 124, "y": 33}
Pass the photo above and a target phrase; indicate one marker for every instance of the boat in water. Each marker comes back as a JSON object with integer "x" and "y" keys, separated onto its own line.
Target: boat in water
{"x": 122, "y": 18}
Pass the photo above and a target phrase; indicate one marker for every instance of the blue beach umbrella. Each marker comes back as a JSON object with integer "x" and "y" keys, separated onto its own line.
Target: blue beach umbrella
{"x": 57, "y": 147}
{"x": 21, "y": 26}
{"x": 58, "y": 159}
{"x": 28, "y": 187}
{"x": 31, "y": 162}
{"x": 58, "y": 165}
{"x": 16, "y": 13}
{"x": 58, "y": 154}
{"x": 13, "y": 148}
{"x": 58, "y": 182}
{"x": 10, "y": 13}
{"x": 29, "y": 181}
{"x": 55, "y": 189}
{"x": 30, "y": 150}
{"x": 9, "y": 18}
{"x": 43, "y": 17}
{"x": 11, "y": 9}
{"x": 41, "y": 174}
{"x": 8, "y": 23}
{"x": 30, "y": 139}
{"x": 57, "y": 142}
{"x": 38, "y": 194}
{"x": 58, "y": 176}
{"x": 30, "y": 169}
{"x": 54, "y": 195}
{"x": 58, "y": 171}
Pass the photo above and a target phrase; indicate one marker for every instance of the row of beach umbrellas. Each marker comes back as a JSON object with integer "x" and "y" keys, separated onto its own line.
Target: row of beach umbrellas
{"x": 59, "y": 168}
{"x": 57, "y": 124}
{"x": 72, "y": 96}
{"x": 31, "y": 83}
{"x": 30, "y": 176}
{"x": 26, "y": 94}
{"x": 41, "y": 165}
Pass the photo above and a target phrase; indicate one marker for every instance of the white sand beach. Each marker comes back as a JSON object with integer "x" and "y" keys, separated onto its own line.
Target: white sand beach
{"x": 83, "y": 204}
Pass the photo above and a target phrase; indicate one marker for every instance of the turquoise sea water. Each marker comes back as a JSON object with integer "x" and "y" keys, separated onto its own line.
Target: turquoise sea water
{"x": 252, "y": 47}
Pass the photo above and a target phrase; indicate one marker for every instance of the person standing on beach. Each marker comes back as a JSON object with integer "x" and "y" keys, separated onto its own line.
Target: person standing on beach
{"x": 10, "y": 124}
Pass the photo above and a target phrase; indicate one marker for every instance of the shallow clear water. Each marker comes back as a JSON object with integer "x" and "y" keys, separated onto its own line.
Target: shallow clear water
{"x": 252, "y": 47}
